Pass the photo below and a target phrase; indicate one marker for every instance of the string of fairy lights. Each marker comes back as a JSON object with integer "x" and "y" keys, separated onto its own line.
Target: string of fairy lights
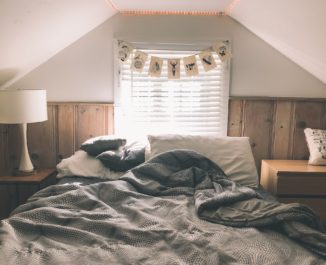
{"x": 227, "y": 11}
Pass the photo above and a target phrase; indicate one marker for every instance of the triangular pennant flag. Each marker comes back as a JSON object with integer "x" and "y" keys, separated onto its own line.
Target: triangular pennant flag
{"x": 190, "y": 65}
{"x": 207, "y": 60}
{"x": 155, "y": 66}
{"x": 138, "y": 61}
{"x": 174, "y": 68}
{"x": 124, "y": 50}
{"x": 223, "y": 50}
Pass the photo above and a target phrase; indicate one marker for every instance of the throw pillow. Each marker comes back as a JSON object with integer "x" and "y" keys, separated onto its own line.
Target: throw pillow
{"x": 97, "y": 145}
{"x": 316, "y": 140}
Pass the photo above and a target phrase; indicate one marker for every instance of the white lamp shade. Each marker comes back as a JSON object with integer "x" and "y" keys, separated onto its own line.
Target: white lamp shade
{"x": 23, "y": 106}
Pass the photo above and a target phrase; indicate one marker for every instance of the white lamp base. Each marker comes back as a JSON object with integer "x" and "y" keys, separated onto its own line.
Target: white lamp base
{"x": 25, "y": 166}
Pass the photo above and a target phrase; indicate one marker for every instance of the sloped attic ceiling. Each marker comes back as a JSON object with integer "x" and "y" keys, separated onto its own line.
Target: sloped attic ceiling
{"x": 32, "y": 31}
{"x": 296, "y": 28}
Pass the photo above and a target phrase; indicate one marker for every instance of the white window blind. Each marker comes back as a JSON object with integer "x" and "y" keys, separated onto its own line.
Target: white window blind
{"x": 190, "y": 105}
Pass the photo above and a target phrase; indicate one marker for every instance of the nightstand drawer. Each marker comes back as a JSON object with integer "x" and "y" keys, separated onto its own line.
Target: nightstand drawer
{"x": 296, "y": 181}
{"x": 15, "y": 190}
{"x": 301, "y": 184}
{"x": 293, "y": 177}
{"x": 317, "y": 204}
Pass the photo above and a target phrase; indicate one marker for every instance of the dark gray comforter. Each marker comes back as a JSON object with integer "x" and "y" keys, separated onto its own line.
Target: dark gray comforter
{"x": 178, "y": 208}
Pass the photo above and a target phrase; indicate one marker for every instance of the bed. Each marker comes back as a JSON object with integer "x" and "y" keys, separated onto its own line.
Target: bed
{"x": 178, "y": 207}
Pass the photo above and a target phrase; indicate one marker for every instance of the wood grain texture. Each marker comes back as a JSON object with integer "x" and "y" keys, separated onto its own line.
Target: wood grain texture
{"x": 68, "y": 125}
{"x": 42, "y": 141}
{"x": 110, "y": 119}
{"x": 3, "y": 147}
{"x": 14, "y": 142}
{"x": 274, "y": 125}
{"x": 258, "y": 126}
{"x": 91, "y": 121}
{"x": 324, "y": 118}
{"x": 282, "y": 130}
{"x": 66, "y": 131}
{"x": 235, "y": 118}
{"x": 296, "y": 181}
{"x": 38, "y": 177}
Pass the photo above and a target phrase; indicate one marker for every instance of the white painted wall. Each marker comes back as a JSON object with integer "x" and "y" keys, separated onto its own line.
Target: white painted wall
{"x": 84, "y": 70}
{"x": 32, "y": 31}
{"x": 295, "y": 28}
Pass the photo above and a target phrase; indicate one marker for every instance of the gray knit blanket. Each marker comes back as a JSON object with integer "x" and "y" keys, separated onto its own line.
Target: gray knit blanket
{"x": 177, "y": 208}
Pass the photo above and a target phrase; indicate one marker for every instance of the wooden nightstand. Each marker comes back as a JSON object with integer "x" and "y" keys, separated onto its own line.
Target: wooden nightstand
{"x": 296, "y": 181}
{"x": 15, "y": 190}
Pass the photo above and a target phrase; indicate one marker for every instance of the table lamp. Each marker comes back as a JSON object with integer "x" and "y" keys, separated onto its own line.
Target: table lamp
{"x": 22, "y": 107}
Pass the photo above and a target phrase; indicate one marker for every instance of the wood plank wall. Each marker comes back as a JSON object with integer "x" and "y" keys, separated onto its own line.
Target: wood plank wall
{"x": 274, "y": 125}
{"x": 68, "y": 125}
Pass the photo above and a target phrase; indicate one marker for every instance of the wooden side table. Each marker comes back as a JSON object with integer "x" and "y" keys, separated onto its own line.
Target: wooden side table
{"x": 15, "y": 190}
{"x": 296, "y": 181}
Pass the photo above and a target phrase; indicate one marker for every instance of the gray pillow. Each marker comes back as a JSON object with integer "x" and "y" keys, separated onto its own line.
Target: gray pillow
{"x": 122, "y": 161}
{"x": 97, "y": 145}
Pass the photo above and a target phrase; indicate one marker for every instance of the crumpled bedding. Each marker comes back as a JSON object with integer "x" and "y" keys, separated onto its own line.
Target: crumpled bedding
{"x": 177, "y": 208}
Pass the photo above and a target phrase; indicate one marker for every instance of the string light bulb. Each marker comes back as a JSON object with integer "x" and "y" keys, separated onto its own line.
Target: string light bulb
{"x": 170, "y": 12}
{"x": 227, "y": 11}
{"x": 231, "y": 7}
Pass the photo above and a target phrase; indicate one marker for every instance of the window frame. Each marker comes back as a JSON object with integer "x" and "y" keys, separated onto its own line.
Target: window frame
{"x": 119, "y": 112}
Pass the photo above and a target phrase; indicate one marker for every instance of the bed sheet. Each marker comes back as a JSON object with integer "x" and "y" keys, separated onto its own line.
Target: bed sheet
{"x": 149, "y": 216}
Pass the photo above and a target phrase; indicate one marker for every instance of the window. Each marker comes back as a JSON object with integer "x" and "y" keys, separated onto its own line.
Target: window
{"x": 190, "y": 105}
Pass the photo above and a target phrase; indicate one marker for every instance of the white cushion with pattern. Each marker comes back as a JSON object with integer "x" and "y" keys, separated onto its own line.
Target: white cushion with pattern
{"x": 316, "y": 140}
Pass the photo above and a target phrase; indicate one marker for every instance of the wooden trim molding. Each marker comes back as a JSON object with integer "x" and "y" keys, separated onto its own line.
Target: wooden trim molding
{"x": 275, "y": 127}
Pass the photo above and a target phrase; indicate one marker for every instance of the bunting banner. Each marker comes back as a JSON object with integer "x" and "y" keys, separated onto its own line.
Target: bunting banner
{"x": 125, "y": 49}
{"x": 155, "y": 66}
{"x": 173, "y": 68}
{"x": 207, "y": 60}
{"x": 190, "y": 65}
{"x": 139, "y": 60}
{"x": 222, "y": 48}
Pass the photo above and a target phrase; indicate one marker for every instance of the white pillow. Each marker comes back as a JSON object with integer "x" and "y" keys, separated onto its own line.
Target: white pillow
{"x": 232, "y": 154}
{"x": 83, "y": 165}
{"x": 316, "y": 140}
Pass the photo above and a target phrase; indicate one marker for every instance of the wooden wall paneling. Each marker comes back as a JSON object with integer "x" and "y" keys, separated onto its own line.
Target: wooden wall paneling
{"x": 66, "y": 130}
{"x": 3, "y": 148}
{"x": 110, "y": 112}
{"x": 91, "y": 121}
{"x": 275, "y": 127}
{"x": 258, "y": 125}
{"x": 14, "y": 146}
{"x": 324, "y": 117}
{"x": 235, "y": 118}
{"x": 283, "y": 130}
{"x": 42, "y": 141}
{"x": 307, "y": 114}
